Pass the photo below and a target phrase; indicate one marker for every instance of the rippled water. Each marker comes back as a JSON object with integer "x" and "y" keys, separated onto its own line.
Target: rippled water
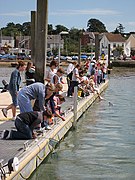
{"x": 103, "y": 144}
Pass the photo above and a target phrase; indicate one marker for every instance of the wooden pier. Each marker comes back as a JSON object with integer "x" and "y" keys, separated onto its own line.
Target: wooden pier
{"x": 31, "y": 153}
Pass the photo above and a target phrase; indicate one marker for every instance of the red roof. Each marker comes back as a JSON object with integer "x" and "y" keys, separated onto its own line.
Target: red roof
{"x": 114, "y": 37}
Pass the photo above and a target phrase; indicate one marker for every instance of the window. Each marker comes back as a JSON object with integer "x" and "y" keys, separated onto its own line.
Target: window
{"x": 114, "y": 45}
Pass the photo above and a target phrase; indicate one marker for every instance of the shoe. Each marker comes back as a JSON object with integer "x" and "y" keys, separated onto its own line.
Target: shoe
{"x": 5, "y": 134}
{"x": 4, "y": 111}
{"x": 48, "y": 127}
{"x": 13, "y": 118}
{"x": 70, "y": 96}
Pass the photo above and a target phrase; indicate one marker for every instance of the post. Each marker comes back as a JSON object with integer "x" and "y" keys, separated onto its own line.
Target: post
{"x": 59, "y": 51}
{"x": 33, "y": 33}
{"x": 97, "y": 46}
{"x": 41, "y": 39}
{"x": 75, "y": 105}
{"x": 79, "y": 53}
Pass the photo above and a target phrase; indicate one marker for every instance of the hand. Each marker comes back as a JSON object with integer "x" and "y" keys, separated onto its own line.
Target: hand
{"x": 63, "y": 119}
{"x": 34, "y": 135}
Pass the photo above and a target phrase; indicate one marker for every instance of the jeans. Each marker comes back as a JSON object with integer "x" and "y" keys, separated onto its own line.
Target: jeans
{"x": 23, "y": 130}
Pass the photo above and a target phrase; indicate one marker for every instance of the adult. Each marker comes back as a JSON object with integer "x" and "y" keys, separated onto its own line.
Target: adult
{"x": 13, "y": 88}
{"x": 25, "y": 124}
{"x": 70, "y": 68}
{"x": 57, "y": 78}
{"x": 35, "y": 91}
{"x": 75, "y": 79}
{"x": 51, "y": 71}
{"x": 30, "y": 73}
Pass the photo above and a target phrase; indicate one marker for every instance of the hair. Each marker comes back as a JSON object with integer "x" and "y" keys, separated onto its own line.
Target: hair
{"x": 20, "y": 64}
{"x": 77, "y": 65}
{"x": 29, "y": 66}
{"x": 53, "y": 63}
{"x": 61, "y": 70}
{"x": 59, "y": 86}
{"x": 61, "y": 98}
{"x": 47, "y": 113}
{"x": 50, "y": 86}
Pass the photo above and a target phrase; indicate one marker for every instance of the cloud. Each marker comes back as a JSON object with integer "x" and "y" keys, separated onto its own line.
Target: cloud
{"x": 18, "y": 14}
{"x": 86, "y": 12}
{"x": 131, "y": 23}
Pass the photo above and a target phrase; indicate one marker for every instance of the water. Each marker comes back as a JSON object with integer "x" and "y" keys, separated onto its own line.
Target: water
{"x": 5, "y": 74}
{"x": 103, "y": 144}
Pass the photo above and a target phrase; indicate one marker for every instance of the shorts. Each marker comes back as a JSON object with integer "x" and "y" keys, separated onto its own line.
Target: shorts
{"x": 14, "y": 98}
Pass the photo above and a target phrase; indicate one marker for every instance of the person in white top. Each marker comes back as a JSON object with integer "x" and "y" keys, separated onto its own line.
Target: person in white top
{"x": 70, "y": 68}
{"x": 75, "y": 79}
{"x": 51, "y": 71}
{"x": 57, "y": 78}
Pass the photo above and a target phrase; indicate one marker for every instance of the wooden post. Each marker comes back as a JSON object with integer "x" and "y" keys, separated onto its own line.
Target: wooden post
{"x": 79, "y": 53}
{"x": 97, "y": 46}
{"x": 75, "y": 105}
{"x": 41, "y": 39}
{"x": 33, "y": 35}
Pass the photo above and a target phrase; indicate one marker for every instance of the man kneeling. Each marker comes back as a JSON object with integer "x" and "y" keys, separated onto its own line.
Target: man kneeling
{"x": 25, "y": 124}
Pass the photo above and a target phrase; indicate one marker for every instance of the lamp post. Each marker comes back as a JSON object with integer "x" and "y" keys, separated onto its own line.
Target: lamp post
{"x": 61, "y": 33}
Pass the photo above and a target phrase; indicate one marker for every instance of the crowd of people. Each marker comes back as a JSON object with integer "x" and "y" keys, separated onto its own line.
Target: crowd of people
{"x": 47, "y": 99}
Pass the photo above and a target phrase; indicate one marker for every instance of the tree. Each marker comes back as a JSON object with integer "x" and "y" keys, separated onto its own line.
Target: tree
{"x": 120, "y": 28}
{"x": 26, "y": 28}
{"x": 50, "y": 29}
{"x": 94, "y": 25}
{"x": 116, "y": 31}
{"x": 60, "y": 28}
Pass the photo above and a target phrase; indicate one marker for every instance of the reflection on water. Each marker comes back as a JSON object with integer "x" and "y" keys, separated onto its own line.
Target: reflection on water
{"x": 103, "y": 144}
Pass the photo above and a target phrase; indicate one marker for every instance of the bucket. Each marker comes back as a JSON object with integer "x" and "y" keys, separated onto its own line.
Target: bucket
{"x": 79, "y": 93}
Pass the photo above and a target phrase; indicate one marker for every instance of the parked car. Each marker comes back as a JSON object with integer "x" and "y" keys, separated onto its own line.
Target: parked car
{"x": 83, "y": 57}
{"x": 23, "y": 56}
{"x": 74, "y": 57}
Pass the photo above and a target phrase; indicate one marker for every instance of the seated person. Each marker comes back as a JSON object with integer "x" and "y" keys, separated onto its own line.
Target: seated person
{"x": 25, "y": 124}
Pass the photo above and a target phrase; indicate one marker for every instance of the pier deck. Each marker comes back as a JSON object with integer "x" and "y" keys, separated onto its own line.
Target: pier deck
{"x": 31, "y": 153}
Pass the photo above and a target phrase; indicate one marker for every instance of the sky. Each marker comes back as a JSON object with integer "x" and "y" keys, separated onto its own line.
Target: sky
{"x": 72, "y": 13}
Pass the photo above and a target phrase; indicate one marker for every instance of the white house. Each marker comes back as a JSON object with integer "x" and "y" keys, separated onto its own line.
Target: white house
{"x": 131, "y": 43}
{"x": 7, "y": 41}
{"x": 115, "y": 40}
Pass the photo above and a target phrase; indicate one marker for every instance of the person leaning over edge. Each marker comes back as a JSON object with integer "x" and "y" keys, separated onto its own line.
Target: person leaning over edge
{"x": 13, "y": 88}
{"x": 25, "y": 124}
{"x": 35, "y": 91}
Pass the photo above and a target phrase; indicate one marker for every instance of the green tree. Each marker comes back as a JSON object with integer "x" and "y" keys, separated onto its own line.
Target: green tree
{"x": 120, "y": 28}
{"x": 116, "y": 31}
{"x": 26, "y": 29}
{"x": 60, "y": 28}
{"x": 50, "y": 29}
{"x": 94, "y": 25}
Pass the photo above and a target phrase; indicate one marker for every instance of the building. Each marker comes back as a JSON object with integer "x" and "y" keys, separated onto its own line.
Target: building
{"x": 54, "y": 41}
{"x": 131, "y": 43}
{"x": 7, "y": 41}
{"x": 88, "y": 39}
{"x": 115, "y": 41}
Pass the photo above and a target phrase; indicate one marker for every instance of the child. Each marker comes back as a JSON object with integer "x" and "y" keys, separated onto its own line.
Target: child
{"x": 58, "y": 100}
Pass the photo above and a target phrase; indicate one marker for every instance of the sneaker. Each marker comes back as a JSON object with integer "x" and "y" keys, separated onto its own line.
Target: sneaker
{"x": 5, "y": 134}
{"x": 48, "y": 127}
{"x": 4, "y": 111}
{"x": 13, "y": 118}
